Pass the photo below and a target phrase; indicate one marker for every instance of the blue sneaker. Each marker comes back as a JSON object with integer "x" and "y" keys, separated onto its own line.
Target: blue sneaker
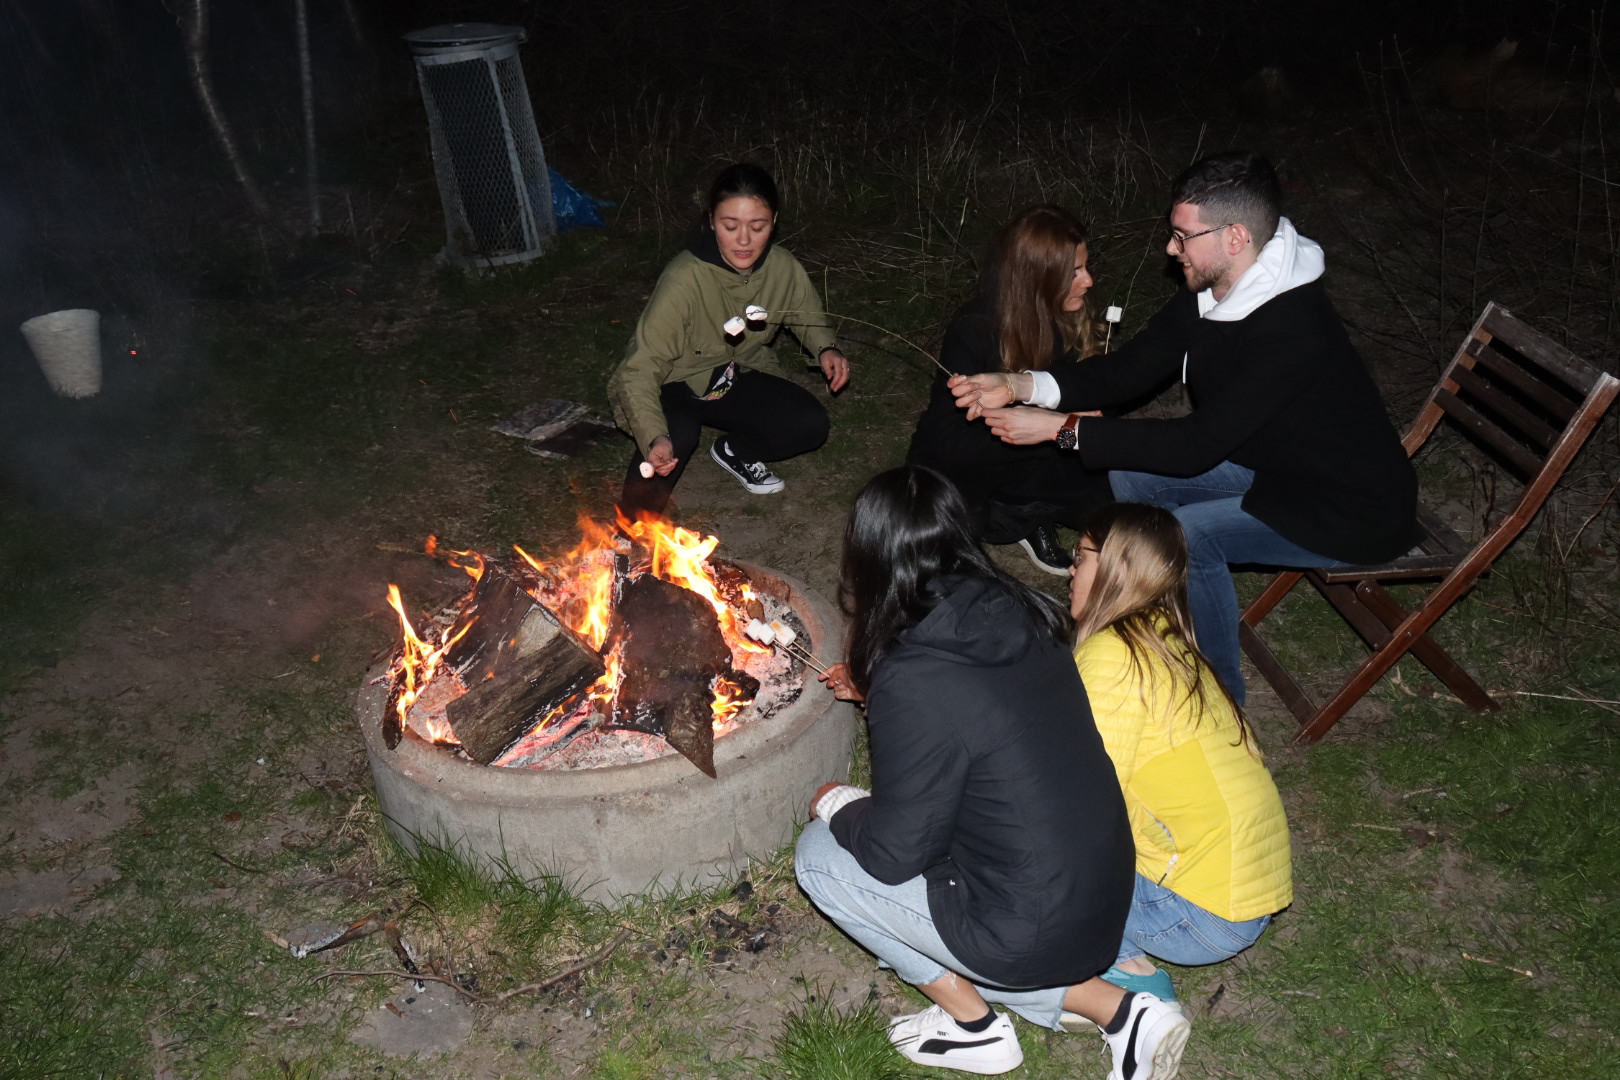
{"x": 1158, "y": 984}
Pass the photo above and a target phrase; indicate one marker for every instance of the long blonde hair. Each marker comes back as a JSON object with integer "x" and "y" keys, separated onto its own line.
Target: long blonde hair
{"x": 1031, "y": 268}
{"x": 1140, "y": 593}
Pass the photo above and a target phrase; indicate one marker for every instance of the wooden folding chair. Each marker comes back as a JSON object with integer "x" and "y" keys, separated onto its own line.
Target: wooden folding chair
{"x": 1528, "y": 402}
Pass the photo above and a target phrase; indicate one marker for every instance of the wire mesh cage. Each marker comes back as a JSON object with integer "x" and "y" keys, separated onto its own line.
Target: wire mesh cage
{"x": 487, "y": 157}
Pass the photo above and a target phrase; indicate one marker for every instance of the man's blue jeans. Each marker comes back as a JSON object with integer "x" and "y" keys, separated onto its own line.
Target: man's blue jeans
{"x": 1209, "y": 507}
{"x": 894, "y": 924}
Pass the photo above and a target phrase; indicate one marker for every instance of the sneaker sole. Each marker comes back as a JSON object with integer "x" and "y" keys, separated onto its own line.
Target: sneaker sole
{"x": 981, "y": 1068}
{"x": 1029, "y": 549}
{"x": 753, "y": 488}
{"x": 1167, "y": 1052}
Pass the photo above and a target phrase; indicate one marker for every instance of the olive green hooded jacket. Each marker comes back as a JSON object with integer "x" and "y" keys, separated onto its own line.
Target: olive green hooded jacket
{"x": 680, "y": 335}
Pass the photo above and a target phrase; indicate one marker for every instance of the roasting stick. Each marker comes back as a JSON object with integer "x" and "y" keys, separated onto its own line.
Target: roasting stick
{"x": 783, "y": 637}
{"x": 734, "y": 327}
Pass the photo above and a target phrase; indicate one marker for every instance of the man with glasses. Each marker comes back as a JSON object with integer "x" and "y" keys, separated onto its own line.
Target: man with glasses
{"x": 1287, "y": 457}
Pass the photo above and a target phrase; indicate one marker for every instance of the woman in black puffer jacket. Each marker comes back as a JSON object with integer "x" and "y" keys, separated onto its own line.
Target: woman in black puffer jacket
{"x": 992, "y": 861}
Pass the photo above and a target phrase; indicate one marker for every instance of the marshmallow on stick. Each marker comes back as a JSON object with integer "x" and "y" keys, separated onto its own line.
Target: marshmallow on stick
{"x": 783, "y": 637}
{"x": 1111, "y": 316}
{"x": 734, "y": 326}
{"x": 647, "y": 470}
{"x": 755, "y": 313}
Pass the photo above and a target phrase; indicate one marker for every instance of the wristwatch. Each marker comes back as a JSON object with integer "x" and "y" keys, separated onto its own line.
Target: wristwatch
{"x": 1068, "y": 436}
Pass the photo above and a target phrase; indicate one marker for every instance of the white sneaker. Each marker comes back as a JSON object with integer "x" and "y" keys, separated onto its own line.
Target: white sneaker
{"x": 1149, "y": 1046}
{"x": 931, "y": 1037}
{"x": 753, "y": 474}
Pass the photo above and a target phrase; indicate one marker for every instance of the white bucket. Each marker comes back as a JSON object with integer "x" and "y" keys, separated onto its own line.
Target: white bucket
{"x": 67, "y": 345}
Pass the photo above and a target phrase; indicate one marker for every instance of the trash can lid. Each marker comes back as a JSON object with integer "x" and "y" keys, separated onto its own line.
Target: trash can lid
{"x": 461, "y": 35}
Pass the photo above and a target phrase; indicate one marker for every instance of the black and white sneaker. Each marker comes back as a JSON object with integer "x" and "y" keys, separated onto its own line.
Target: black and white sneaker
{"x": 931, "y": 1037}
{"x": 1149, "y": 1046}
{"x": 1045, "y": 551}
{"x": 753, "y": 474}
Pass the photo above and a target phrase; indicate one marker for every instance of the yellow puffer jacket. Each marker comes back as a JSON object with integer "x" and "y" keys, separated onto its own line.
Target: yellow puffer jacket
{"x": 1208, "y": 822}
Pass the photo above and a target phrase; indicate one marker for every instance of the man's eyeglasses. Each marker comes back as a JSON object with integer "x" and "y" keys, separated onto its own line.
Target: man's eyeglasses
{"x": 1180, "y": 239}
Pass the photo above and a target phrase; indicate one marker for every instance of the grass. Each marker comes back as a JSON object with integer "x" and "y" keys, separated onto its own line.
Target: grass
{"x": 334, "y": 414}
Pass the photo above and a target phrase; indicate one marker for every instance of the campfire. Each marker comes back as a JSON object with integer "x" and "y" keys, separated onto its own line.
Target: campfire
{"x": 633, "y": 643}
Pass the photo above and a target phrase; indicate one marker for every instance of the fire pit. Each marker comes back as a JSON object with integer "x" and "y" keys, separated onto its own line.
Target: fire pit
{"x": 654, "y": 820}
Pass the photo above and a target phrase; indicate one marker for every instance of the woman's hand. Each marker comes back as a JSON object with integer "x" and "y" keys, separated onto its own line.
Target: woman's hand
{"x": 661, "y": 456}
{"x": 1024, "y": 426}
{"x": 997, "y": 390}
{"x": 838, "y": 681}
{"x": 820, "y": 791}
{"x": 835, "y": 366}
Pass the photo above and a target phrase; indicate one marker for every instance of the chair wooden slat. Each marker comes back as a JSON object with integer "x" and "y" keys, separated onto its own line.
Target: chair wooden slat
{"x": 1506, "y": 370}
{"x": 1577, "y": 373}
{"x": 1489, "y": 433}
{"x": 1497, "y": 400}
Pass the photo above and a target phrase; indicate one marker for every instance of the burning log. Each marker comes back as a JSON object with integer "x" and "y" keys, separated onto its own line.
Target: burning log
{"x": 672, "y": 652}
{"x": 519, "y": 663}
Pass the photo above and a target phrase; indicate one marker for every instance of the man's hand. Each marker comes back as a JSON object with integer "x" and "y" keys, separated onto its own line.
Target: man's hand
{"x": 661, "y": 456}
{"x": 1024, "y": 426}
{"x": 835, "y": 365}
{"x": 976, "y": 393}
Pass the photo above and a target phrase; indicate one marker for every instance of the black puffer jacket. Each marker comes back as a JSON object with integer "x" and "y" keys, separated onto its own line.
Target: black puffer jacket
{"x": 990, "y": 780}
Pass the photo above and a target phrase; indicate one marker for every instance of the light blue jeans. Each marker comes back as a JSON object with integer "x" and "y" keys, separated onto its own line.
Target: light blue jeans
{"x": 893, "y": 923}
{"x": 1219, "y": 532}
{"x": 1169, "y": 927}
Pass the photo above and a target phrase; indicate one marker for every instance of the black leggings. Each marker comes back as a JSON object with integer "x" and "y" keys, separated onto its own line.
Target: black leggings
{"x": 765, "y": 417}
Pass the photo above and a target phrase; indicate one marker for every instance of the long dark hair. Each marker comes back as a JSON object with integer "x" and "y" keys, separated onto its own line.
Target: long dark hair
{"x": 1140, "y": 593}
{"x": 1028, "y": 277}
{"x": 909, "y": 526}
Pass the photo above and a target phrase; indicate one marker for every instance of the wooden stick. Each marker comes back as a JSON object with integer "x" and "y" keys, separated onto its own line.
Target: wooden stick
{"x": 549, "y": 981}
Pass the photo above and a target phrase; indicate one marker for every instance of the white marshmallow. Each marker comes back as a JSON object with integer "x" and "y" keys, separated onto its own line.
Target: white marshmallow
{"x": 1114, "y": 314}
{"x": 735, "y": 326}
{"x": 647, "y": 470}
{"x": 756, "y": 313}
{"x": 784, "y": 633}
{"x": 759, "y": 632}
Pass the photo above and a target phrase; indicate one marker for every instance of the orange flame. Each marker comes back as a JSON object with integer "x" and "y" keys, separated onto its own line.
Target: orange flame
{"x": 729, "y": 699}
{"x": 578, "y": 587}
{"x": 418, "y": 663}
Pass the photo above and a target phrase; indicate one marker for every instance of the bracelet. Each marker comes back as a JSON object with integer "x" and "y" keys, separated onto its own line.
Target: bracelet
{"x": 1012, "y": 391}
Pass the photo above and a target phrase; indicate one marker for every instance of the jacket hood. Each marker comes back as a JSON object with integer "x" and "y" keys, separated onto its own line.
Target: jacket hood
{"x": 700, "y": 241}
{"x": 971, "y": 624}
{"x": 1288, "y": 261}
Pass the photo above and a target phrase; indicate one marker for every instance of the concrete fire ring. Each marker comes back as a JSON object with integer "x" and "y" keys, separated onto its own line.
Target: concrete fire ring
{"x": 621, "y": 830}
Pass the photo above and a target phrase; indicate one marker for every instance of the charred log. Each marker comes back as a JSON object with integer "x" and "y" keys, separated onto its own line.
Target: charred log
{"x": 519, "y": 663}
{"x": 672, "y": 652}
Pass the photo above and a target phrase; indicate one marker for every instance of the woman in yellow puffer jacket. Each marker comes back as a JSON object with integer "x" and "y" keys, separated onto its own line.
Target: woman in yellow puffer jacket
{"x": 1212, "y": 855}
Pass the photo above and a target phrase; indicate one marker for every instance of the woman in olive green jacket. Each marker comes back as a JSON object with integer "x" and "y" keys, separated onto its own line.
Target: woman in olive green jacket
{"x": 701, "y": 352}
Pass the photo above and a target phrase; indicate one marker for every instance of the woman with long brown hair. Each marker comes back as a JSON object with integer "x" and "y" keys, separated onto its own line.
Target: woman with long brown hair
{"x": 1212, "y": 852}
{"x": 1029, "y": 314}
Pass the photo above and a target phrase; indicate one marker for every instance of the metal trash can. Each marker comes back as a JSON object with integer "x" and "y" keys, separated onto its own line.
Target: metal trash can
{"x": 487, "y": 157}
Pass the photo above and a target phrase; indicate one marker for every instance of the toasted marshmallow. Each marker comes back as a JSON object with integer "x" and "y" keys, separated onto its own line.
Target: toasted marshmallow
{"x": 784, "y": 633}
